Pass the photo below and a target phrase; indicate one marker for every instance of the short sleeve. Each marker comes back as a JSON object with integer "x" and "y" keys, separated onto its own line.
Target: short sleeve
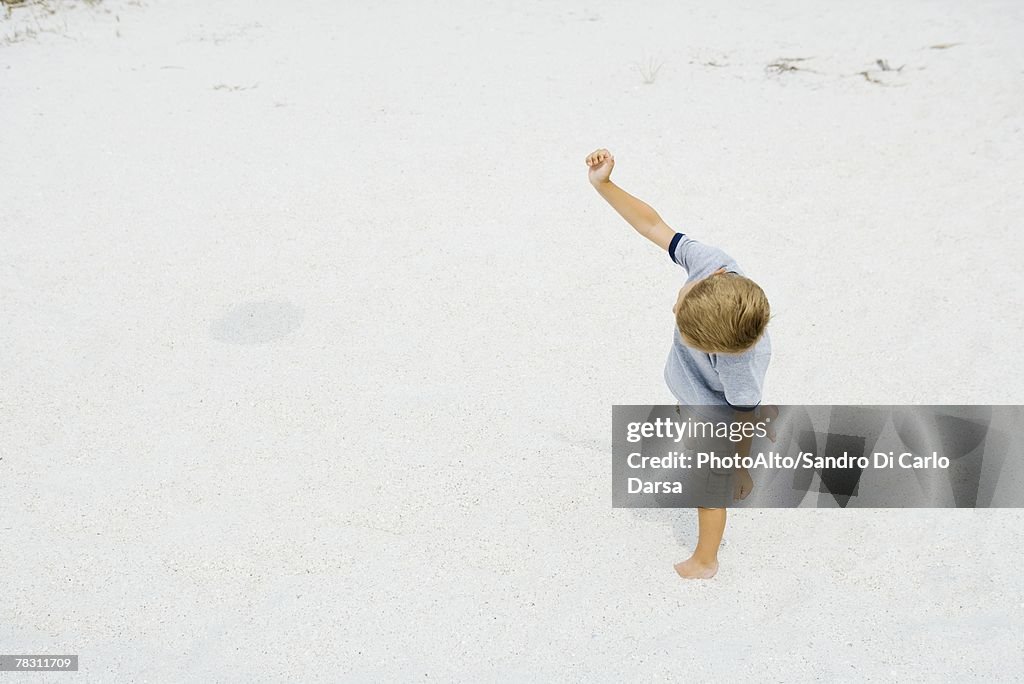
{"x": 696, "y": 257}
{"x": 741, "y": 377}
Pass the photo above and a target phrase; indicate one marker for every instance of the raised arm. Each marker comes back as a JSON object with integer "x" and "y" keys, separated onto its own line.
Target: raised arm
{"x": 637, "y": 213}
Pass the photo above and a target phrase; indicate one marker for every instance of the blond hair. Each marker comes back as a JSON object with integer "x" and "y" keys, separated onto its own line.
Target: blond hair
{"x": 723, "y": 314}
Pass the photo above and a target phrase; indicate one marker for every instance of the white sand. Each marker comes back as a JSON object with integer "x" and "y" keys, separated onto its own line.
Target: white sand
{"x": 311, "y": 327}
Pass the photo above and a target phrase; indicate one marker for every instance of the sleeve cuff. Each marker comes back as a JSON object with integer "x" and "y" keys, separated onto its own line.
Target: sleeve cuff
{"x": 672, "y": 246}
{"x": 744, "y": 409}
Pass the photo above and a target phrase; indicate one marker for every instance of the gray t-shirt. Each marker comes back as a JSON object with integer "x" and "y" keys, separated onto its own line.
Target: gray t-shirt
{"x": 698, "y": 378}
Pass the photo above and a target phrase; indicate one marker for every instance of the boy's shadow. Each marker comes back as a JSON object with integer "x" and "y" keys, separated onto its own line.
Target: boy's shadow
{"x": 257, "y": 322}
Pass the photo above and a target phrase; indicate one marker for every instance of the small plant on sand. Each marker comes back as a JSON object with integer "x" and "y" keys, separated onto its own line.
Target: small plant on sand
{"x": 787, "y": 64}
{"x": 49, "y": 6}
{"x": 883, "y": 65}
{"x": 648, "y": 70}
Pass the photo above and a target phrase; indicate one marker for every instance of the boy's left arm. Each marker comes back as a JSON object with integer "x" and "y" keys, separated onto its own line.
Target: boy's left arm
{"x": 762, "y": 415}
{"x": 744, "y": 483}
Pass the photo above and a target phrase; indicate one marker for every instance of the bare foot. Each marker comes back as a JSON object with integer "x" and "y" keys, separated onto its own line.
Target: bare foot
{"x": 691, "y": 568}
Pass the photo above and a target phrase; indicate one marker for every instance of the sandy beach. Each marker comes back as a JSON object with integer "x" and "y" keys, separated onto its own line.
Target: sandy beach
{"x": 312, "y": 325}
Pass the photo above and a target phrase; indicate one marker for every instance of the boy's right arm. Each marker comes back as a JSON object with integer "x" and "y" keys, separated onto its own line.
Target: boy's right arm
{"x": 644, "y": 219}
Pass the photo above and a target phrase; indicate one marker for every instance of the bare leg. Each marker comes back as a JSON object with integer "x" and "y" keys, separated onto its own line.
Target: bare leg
{"x": 703, "y": 564}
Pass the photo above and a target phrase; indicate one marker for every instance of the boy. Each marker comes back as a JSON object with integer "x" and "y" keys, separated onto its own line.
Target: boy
{"x": 720, "y": 350}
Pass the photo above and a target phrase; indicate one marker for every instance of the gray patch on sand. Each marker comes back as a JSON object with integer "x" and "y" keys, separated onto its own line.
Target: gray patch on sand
{"x": 257, "y": 322}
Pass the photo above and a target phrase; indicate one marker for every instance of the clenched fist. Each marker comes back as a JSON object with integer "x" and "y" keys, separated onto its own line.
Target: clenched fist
{"x": 601, "y": 163}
